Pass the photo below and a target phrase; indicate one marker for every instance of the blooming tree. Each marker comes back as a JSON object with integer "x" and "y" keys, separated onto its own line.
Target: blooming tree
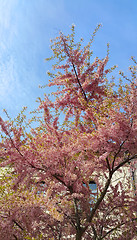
{"x": 46, "y": 191}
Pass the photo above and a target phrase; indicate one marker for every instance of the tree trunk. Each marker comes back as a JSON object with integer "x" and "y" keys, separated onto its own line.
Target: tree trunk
{"x": 79, "y": 234}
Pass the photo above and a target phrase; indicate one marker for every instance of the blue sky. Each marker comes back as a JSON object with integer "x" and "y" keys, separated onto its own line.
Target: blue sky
{"x": 26, "y": 28}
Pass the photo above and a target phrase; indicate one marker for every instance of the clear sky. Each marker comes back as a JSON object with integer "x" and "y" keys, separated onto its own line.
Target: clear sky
{"x": 26, "y": 27}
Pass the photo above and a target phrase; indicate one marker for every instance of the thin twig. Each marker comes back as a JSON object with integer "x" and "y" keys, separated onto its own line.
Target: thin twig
{"x": 18, "y": 224}
{"x": 118, "y": 226}
{"x": 126, "y": 160}
{"x": 74, "y": 68}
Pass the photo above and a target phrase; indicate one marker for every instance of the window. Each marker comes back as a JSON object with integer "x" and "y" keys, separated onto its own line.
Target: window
{"x": 93, "y": 192}
{"x": 93, "y": 186}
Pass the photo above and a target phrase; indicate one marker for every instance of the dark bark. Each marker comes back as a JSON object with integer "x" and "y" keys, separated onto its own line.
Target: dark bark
{"x": 79, "y": 234}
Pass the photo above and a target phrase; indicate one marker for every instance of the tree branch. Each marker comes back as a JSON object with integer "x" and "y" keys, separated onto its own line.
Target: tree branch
{"x": 109, "y": 212}
{"x": 108, "y": 165}
{"x": 126, "y": 160}
{"x": 71, "y": 219}
{"x": 15, "y": 236}
{"x": 100, "y": 198}
{"x": 121, "y": 145}
{"x": 105, "y": 189}
{"x": 41, "y": 169}
{"x": 118, "y": 152}
{"x": 74, "y": 68}
{"x": 76, "y": 214}
{"x": 95, "y": 233}
{"x": 118, "y": 226}
{"x": 79, "y": 82}
{"x": 17, "y": 224}
{"x": 70, "y": 188}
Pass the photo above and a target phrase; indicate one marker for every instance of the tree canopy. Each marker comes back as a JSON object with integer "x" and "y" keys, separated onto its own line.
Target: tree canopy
{"x": 47, "y": 189}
